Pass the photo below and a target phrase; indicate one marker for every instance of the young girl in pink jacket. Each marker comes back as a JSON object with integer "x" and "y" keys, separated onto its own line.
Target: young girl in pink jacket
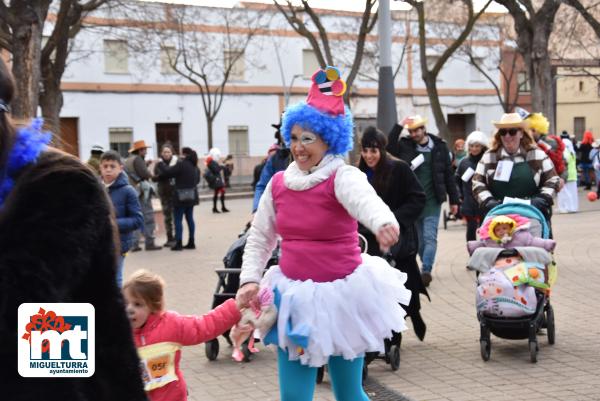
{"x": 159, "y": 334}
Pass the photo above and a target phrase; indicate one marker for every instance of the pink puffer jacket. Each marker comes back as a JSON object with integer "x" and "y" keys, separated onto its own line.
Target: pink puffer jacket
{"x": 185, "y": 330}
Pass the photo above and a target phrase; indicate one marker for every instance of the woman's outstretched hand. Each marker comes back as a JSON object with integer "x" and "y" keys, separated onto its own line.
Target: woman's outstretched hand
{"x": 387, "y": 236}
{"x": 245, "y": 294}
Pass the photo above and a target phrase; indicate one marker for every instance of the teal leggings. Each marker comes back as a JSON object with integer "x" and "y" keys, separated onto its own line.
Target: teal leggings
{"x": 297, "y": 382}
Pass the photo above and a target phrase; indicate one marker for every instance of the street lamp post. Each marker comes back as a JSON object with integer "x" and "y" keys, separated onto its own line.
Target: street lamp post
{"x": 289, "y": 89}
{"x": 386, "y": 97}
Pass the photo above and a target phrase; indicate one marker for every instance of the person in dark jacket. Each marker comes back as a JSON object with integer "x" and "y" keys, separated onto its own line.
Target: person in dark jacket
{"x": 259, "y": 167}
{"x": 477, "y": 143}
{"x": 187, "y": 178}
{"x": 399, "y": 188}
{"x": 57, "y": 245}
{"x": 125, "y": 202}
{"x": 278, "y": 161}
{"x": 166, "y": 189}
{"x": 139, "y": 178}
{"x": 216, "y": 181}
{"x": 429, "y": 158}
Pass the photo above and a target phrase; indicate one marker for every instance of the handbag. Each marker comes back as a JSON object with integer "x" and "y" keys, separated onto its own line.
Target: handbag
{"x": 186, "y": 194}
{"x": 408, "y": 244}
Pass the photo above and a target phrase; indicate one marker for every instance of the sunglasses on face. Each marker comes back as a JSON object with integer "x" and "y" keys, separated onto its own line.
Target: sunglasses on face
{"x": 511, "y": 132}
{"x": 306, "y": 138}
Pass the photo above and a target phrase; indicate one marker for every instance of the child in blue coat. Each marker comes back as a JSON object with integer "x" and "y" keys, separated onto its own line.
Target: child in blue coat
{"x": 125, "y": 201}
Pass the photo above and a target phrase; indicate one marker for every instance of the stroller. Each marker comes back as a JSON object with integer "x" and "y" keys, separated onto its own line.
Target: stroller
{"x": 228, "y": 283}
{"x": 508, "y": 314}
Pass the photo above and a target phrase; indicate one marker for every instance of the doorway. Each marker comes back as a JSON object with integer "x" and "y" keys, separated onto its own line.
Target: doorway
{"x": 69, "y": 135}
{"x": 167, "y": 132}
{"x": 459, "y": 125}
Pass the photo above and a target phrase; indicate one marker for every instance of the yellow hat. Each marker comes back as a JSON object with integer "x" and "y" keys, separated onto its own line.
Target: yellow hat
{"x": 538, "y": 122}
{"x": 510, "y": 120}
{"x": 415, "y": 122}
{"x": 500, "y": 220}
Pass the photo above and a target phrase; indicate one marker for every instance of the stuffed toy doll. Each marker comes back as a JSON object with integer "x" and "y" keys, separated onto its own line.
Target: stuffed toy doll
{"x": 261, "y": 316}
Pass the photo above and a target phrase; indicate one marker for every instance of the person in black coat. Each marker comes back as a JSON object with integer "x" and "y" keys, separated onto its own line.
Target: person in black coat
{"x": 429, "y": 158}
{"x": 477, "y": 143}
{"x": 59, "y": 243}
{"x": 187, "y": 178}
{"x": 399, "y": 188}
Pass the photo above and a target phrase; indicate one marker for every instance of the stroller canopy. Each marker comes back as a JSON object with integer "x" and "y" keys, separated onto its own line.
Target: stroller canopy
{"x": 524, "y": 210}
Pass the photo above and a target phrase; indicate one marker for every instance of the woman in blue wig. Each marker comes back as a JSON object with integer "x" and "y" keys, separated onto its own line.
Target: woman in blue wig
{"x": 57, "y": 245}
{"x": 334, "y": 303}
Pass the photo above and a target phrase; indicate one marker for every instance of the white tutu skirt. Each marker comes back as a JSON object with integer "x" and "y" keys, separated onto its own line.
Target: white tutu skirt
{"x": 346, "y": 317}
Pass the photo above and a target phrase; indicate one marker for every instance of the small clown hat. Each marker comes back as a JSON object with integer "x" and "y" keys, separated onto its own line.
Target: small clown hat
{"x": 500, "y": 220}
{"x": 323, "y": 112}
{"x": 326, "y": 91}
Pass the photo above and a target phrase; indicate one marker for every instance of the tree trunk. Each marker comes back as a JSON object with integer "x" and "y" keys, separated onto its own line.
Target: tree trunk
{"x": 436, "y": 107}
{"x": 51, "y": 102}
{"x": 26, "y": 52}
{"x": 209, "y": 131}
{"x": 540, "y": 71}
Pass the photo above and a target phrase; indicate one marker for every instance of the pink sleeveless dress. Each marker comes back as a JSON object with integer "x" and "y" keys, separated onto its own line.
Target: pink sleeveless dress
{"x": 344, "y": 302}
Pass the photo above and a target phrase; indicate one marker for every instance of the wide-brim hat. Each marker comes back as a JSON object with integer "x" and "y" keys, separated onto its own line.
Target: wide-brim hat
{"x": 510, "y": 120}
{"x": 415, "y": 122}
{"x": 138, "y": 145}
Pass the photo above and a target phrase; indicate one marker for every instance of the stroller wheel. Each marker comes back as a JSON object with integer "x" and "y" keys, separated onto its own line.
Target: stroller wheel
{"x": 550, "y": 329}
{"x": 211, "y": 349}
{"x": 395, "y": 357}
{"x": 246, "y": 351}
{"x": 486, "y": 349}
{"x": 320, "y": 374}
{"x": 533, "y": 349}
{"x": 445, "y": 220}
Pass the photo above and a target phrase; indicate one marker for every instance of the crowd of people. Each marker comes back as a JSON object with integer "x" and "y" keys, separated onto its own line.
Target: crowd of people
{"x": 335, "y": 304}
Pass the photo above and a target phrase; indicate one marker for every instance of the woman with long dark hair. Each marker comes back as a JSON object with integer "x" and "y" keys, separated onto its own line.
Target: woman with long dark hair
{"x": 399, "y": 188}
{"x": 185, "y": 197}
{"x": 57, "y": 245}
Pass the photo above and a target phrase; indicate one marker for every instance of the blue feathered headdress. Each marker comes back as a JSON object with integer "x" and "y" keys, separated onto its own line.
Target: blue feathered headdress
{"x": 323, "y": 113}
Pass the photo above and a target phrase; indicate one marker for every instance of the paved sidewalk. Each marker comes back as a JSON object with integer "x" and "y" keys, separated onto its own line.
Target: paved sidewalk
{"x": 447, "y": 365}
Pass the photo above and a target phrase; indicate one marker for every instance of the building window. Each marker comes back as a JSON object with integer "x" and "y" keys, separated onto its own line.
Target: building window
{"x": 523, "y": 82}
{"x": 120, "y": 140}
{"x": 578, "y": 127}
{"x": 168, "y": 55}
{"x": 235, "y": 59}
{"x": 309, "y": 63}
{"x": 116, "y": 57}
{"x": 238, "y": 140}
{"x": 474, "y": 74}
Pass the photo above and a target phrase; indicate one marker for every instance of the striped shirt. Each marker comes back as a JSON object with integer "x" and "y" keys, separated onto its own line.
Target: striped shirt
{"x": 544, "y": 175}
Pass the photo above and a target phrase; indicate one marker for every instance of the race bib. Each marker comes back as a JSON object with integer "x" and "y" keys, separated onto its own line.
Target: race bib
{"x": 503, "y": 170}
{"x": 417, "y": 161}
{"x": 467, "y": 175}
{"x": 157, "y": 363}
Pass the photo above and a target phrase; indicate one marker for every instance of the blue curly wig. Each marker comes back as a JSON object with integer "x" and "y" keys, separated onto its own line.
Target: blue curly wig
{"x": 336, "y": 132}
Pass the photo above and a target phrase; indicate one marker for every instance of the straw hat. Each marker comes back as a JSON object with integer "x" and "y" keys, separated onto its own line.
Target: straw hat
{"x": 137, "y": 145}
{"x": 510, "y": 120}
{"x": 415, "y": 122}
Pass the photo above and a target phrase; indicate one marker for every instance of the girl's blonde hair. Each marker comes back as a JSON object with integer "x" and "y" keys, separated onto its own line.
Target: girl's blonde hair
{"x": 147, "y": 286}
{"x": 527, "y": 141}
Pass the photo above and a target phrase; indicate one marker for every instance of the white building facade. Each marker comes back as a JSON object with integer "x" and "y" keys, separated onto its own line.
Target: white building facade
{"x": 119, "y": 86}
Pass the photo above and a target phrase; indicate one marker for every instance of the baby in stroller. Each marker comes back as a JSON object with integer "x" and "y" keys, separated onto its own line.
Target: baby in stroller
{"x": 508, "y": 231}
{"x": 515, "y": 272}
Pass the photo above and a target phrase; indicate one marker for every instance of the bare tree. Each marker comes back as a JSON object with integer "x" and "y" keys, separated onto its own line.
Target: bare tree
{"x": 68, "y": 23}
{"x": 430, "y": 73}
{"x": 533, "y": 28}
{"x": 208, "y": 47}
{"x": 320, "y": 42}
{"x": 587, "y": 12}
{"x": 21, "y": 27}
